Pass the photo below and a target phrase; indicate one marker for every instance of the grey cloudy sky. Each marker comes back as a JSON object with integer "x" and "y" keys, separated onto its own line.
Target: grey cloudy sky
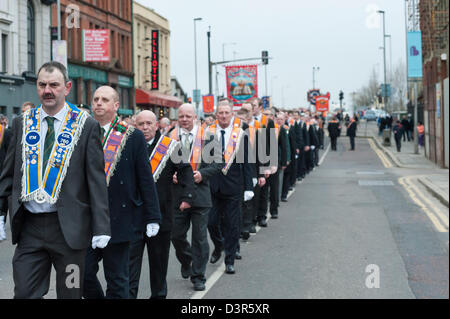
{"x": 342, "y": 37}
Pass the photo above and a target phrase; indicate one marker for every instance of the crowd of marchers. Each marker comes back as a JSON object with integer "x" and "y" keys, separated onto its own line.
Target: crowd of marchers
{"x": 83, "y": 186}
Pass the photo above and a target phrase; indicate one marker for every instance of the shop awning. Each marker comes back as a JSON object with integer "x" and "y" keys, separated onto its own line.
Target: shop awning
{"x": 149, "y": 98}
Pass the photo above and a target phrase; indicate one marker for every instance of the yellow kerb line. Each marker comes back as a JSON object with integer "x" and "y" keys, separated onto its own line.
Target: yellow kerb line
{"x": 439, "y": 227}
{"x": 386, "y": 163}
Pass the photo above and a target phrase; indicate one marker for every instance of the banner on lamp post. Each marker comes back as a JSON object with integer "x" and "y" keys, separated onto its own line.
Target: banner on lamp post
{"x": 242, "y": 83}
{"x": 415, "y": 54}
{"x": 208, "y": 104}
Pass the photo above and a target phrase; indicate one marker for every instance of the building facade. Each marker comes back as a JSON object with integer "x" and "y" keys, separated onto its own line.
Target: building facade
{"x": 25, "y": 45}
{"x": 434, "y": 24}
{"x": 159, "y": 100}
{"x": 115, "y": 16}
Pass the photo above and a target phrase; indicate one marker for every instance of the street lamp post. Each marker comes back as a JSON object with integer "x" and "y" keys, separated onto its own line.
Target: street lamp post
{"x": 315, "y": 68}
{"x": 386, "y": 99}
{"x": 223, "y": 48}
{"x": 195, "y": 53}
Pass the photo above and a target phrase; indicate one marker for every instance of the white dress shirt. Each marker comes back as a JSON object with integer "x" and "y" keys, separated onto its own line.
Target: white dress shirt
{"x": 34, "y": 206}
{"x": 228, "y": 131}
{"x": 191, "y": 135}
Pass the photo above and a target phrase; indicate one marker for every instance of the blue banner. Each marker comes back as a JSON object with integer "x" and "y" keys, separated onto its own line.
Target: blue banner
{"x": 415, "y": 54}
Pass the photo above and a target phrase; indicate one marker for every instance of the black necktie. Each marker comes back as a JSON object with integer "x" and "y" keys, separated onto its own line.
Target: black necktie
{"x": 223, "y": 141}
{"x": 49, "y": 141}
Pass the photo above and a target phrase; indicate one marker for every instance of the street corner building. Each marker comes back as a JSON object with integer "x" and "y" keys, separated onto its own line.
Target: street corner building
{"x": 25, "y": 45}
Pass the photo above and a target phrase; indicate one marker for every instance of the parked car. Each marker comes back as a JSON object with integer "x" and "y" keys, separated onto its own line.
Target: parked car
{"x": 370, "y": 116}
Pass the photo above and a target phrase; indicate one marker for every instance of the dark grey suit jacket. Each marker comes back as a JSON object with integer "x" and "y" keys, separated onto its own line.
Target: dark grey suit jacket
{"x": 83, "y": 200}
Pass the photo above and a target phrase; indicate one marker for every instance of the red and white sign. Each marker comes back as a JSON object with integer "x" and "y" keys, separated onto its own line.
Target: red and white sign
{"x": 322, "y": 103}
{"x": 96, "y": 45}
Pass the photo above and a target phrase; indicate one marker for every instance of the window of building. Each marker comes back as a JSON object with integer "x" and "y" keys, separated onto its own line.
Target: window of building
{"x": 69, "y": 43}
{"x": 2, "y": 109}
{"x": 17, "y": 110}
{"x": 138, "y": 35}
{"x": 4, "y": 53}
{"x": 125, "y": 99}
{"x": 31, "y": 27}
{"x": 113, "y": 44}
{"x": 123, "y": 53}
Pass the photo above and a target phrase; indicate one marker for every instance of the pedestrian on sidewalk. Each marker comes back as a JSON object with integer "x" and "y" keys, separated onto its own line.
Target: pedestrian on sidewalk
{"x": 398, "y": 133}
{"x": 421, "y": 133}
{"x": 405, "y": 130}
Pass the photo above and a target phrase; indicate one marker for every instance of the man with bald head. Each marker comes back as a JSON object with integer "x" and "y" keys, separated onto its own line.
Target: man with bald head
{"x": 193, "y": 141}
{"x": 158, "y": 247}
{"x": 133, "y": 201}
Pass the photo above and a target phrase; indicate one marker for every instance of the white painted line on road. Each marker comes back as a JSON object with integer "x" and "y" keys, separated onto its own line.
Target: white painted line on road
{"x": 324, "y": 154}
{"x": 218, "y": 273}
{"x": 221, "y": 269}
{"x": 414, "y": 194}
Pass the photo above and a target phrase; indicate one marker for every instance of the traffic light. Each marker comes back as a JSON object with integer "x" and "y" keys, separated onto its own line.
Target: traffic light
{"x": 265, "y": 57}
{"x": 341, "y": 96}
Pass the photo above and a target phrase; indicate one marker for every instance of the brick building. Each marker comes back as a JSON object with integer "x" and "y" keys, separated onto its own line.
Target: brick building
{"x": 434, "y": 25}
{"x": 114, "y": 15}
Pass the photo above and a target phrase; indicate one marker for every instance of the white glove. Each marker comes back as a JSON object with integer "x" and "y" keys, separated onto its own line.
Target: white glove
{"x": 248, "y": 195}
{"x": 255, "y": 182}
{"x": 313, "y": 147}
{"x": 2, "y": 228}
{"x": 152, "y": 229}
{"x": 100, "y": 241}
{"x": 296, "y": 156}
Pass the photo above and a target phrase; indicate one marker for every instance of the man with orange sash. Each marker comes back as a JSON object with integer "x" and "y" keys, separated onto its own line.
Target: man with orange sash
{"x": 160, "y": 149}
{"x": 224, "y": 224}
{"x": 267, "y": 134}
{"x": 133, "y": 201}
{"x": 193, "y": 141}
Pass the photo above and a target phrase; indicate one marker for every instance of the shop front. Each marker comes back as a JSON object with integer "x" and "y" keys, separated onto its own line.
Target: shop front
{"x": 162, "y": 105}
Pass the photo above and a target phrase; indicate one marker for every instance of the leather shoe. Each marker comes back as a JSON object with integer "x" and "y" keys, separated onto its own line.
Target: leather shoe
{"x": 215, "y": 257}
{"x": 274, "y": 216}
{"x": 186, "y": 271}
{"x": 252, "y": 229}
{"x": 262, "y": 223}
{"x": 238, "y": 256}
{"x": 284, "y": 200}
{"x": 229, "y": 269}
{"x": 199, "y": 286}
{"x": 245, "y": 235}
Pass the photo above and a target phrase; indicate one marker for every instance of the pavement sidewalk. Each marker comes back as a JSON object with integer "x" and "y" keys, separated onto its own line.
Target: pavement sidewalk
{"x": 436, "y": 183}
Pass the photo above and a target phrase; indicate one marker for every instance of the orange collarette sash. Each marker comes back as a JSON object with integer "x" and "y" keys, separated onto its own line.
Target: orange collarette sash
{"x": 161, "y": 153}
{"x": 196, "y": 150}
{"x": 2, "y": 133}
{"x": 113, "y": 144}
{"x": 233, "y": 143}
{"x": 252, "y": 132}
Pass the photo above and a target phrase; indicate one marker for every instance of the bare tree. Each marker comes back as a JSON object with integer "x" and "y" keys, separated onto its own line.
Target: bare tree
{"x": 399, "y": 87}
{"x": 366, "y": 95}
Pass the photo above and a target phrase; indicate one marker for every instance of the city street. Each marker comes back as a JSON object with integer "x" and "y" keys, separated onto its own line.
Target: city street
{"x": 352, "y": 229}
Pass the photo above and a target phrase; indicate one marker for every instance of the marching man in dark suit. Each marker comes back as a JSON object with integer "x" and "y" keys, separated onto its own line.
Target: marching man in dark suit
{"x": 229, "y": 188}
{"x": 54, "y": 181}
{"x": 133, "y": 201}
{"x": 5, "y": 137}
{"x": 194, "y": 141}
{"x": 159, "y": 149}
